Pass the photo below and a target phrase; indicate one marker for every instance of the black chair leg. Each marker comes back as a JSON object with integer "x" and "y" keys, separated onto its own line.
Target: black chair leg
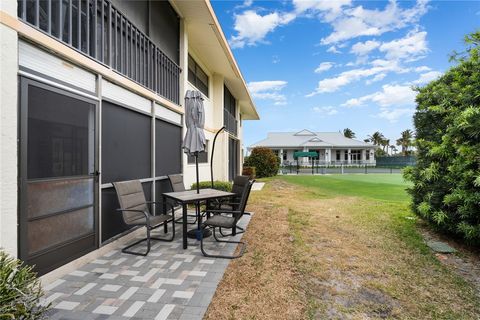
{"x": 206, "y": 254}
{"x": 242, "y": 230}
{"x": 148, "y": 239}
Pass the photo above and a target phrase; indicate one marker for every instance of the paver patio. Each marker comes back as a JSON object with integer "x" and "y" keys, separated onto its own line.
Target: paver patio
{"x": 169, "y": 283}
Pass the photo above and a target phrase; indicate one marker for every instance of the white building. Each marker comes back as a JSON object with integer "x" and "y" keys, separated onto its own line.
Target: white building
{"x": 332, "y": 148}
{"x": 92, "y": 93}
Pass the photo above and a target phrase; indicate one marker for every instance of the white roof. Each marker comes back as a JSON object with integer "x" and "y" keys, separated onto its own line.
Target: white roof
{"x": 306, "y": 138}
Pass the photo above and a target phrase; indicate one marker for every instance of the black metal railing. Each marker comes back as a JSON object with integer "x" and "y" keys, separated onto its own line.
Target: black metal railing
{"x": 230, "y": 122}
{"x": 97, "y": 29}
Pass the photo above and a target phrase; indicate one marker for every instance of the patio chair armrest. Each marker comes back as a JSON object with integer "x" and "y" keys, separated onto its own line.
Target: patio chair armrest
{"x": 147, "y": 216}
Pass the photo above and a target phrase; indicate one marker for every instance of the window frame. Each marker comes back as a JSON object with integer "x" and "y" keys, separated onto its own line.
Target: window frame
{"x": 196, "y": 68}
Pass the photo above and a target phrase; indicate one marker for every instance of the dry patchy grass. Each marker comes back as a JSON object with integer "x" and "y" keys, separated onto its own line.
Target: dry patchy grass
{"x": 318, "y": 257}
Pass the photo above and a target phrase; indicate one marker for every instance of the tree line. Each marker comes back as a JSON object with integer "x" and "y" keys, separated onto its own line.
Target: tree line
{"x": 405, "y": 142}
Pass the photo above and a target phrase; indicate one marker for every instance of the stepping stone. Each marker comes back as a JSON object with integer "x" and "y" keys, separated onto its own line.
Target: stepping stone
{"x": 440, "y": 247}
{"x": 257, "y": 186}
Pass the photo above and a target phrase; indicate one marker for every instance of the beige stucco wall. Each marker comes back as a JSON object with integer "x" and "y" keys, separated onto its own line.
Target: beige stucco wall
{"x": 8, "y": 132}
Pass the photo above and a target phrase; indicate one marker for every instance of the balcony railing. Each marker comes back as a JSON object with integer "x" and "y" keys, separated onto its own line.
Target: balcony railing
{"x": 230, "y": 122}
{"x": 97, "y": 29}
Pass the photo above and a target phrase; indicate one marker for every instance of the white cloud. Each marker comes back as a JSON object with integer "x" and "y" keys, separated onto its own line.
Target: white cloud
{"x": 378, "y": 77}
{"x": 346, "y": 77}
{"x": 268, "y": 90}
{"x": 395, "y": 101}
{"x": 252, "y": 28}
{"x": 245, "y": 4}
{"x": 422, "y": 69}
{"x": 390, "y": 95}
{"x": 327, "y": 9}
{"x": 363, "y": 48}
{"x": 358, "y": 21}
{"x": 427, "y": 77}
{"x": 392, "y": 115}
{"x": 324, "y": 66}
{"x": 333, "y": 49}
{"x": 327, "y": 110}
{"x": 410, "y": 48}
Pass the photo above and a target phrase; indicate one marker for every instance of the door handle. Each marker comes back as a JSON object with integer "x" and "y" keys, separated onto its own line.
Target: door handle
{"x": 95, "y": 173}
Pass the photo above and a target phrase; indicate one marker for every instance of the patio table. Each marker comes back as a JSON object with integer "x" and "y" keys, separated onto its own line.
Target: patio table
{"x": 191, "y": 196}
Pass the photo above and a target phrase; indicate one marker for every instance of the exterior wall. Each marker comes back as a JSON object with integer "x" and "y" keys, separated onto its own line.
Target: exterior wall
{"x": 8, "y": 132}
{"x": 11, "y": 30}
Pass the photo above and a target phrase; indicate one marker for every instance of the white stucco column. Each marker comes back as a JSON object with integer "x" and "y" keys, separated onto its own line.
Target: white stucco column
{"x": 364, "y": 152}
{"x": 281, "y": 156}
{"x": 220, "y": 158}
{"x": 8, "y": 131}
{"x": 349, "y": 156}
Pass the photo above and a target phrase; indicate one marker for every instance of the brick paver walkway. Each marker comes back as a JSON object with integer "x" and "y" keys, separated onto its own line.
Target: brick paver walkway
{"x": 170, "y": 283}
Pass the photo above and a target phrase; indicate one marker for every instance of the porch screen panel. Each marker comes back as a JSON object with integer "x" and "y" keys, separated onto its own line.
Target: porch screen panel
{"x": 126, "y": 145}
{"x": 168, "y": 145}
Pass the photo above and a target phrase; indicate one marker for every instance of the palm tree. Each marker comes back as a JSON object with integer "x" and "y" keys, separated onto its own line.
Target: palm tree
{"x": 385, "y": 143}
{"x": 348, "y": 133}
{"x": 366, "y": 140}
{"x": 405, "y": 140}
{"x": 376, "y": 138}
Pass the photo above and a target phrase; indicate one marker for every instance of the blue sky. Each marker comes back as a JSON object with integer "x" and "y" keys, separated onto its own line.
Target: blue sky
{"x": 329, "y": 65}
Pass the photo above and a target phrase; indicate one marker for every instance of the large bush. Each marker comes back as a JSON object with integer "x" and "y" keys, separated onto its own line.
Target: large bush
{"x": 20, "y": 291}
{"x": 266, "y": 163}
{"x": 446, "y": 179}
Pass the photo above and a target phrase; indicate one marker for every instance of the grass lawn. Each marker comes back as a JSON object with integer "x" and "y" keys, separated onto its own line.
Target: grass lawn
{"x": 338, "y": 247}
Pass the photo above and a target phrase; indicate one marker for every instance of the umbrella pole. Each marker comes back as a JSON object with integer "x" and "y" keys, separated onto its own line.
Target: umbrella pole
{"x": 196, "y": 167}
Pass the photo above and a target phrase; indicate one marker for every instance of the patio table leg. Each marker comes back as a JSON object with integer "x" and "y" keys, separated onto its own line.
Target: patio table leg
{"x": 184, "y": 225}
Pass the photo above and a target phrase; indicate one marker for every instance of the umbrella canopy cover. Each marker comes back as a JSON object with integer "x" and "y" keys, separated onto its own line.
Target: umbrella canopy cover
{"x": 194, "y": 141}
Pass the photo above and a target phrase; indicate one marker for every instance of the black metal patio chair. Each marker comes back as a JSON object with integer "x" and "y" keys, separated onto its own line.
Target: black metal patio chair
{"x": 176, "y": 181}
{"x": 233, "y": 203}
{"x": 227, "y": 219}
{"x": 135, "y": 212}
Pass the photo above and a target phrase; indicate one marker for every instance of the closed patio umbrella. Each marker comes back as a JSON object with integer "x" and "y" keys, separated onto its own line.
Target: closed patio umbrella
{"x": 194, "y": 141}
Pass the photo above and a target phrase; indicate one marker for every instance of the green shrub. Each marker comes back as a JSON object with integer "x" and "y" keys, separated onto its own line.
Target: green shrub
{"x": 446, "y": 179}
{"x": 20, "y": 290}
{"x": 249, "y": 171}
{"x": 266, "y": 163}
{"x": 219, "y": 185}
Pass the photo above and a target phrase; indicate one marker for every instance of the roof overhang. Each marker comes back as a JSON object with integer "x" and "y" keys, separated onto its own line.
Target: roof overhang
{"x": 207, "y": 40}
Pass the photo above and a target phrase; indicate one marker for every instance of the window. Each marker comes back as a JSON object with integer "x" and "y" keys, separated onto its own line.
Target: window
{"x": 284, "y": 155}
{"x": 338, "y": 155}
{"x": 367, "y": 155}
{"x": 202, "y": 156}
{"x": 197, "y": 76}
{"x": 345, "y": 155}
{"x": 356, "y": 155}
